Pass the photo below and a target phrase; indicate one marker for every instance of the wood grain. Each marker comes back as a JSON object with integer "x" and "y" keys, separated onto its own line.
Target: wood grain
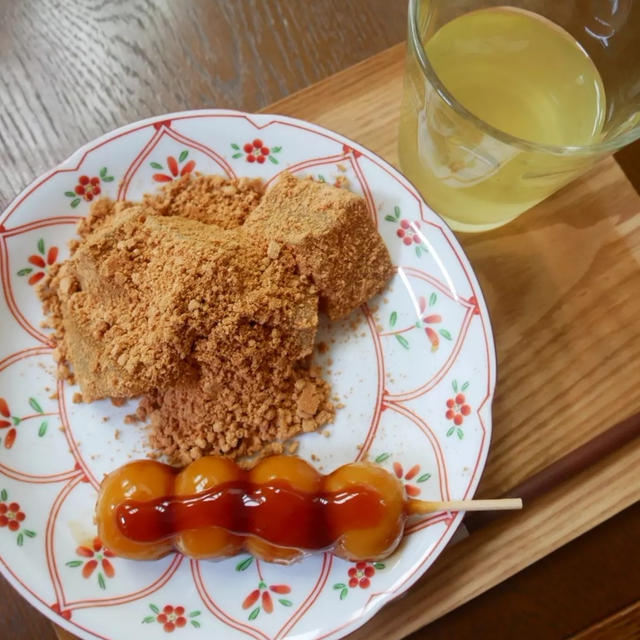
{"x": 71, "y": 71}
{"x": 64, "y": 635}
{"x": 569, "y": 590}
{"x": 19, "y": 620}
{"x": 623, "y": 625}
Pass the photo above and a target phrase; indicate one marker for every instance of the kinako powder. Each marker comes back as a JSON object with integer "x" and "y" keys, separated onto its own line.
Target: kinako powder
{"x": 203, "y": 300}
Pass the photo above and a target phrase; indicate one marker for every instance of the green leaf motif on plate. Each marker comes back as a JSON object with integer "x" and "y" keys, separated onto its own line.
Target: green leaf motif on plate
{"x": 254, "y": 614}
{"x": 244, "y": 564}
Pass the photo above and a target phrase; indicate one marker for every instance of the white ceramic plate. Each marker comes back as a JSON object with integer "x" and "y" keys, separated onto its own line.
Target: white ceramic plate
{"x": 414, "y": 368}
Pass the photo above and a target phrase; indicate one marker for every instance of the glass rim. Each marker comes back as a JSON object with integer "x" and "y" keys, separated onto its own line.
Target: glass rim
{"x": 528, "y": 145}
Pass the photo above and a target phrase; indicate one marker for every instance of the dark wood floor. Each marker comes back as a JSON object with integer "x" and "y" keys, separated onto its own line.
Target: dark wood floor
{"x": 573, "y": 589}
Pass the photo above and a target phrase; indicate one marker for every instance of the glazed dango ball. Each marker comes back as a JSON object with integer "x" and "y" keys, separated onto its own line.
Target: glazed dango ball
{"x": 280, "y": 510}
{"x": 140, "y": 481}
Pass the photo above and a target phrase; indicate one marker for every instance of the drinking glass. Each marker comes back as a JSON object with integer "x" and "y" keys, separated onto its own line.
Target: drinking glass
{"x": 478, "y": 176}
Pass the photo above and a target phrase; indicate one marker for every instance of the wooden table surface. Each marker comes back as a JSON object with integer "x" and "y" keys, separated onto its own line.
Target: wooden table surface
{"x": 561, "y": 282}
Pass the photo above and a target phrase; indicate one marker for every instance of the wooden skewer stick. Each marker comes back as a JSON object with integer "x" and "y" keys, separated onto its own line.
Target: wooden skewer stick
{"x": 415, "y": 507}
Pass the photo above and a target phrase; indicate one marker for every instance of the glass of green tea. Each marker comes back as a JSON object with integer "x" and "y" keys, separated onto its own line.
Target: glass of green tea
{"x": 504, "y": 103}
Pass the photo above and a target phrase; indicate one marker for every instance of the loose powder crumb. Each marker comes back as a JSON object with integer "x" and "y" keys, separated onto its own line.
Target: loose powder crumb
{"x": 203, "y": 299}
{"x": 77, "y": 398}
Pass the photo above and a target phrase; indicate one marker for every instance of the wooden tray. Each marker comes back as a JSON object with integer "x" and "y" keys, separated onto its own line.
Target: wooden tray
{"x": 562, "y": 285}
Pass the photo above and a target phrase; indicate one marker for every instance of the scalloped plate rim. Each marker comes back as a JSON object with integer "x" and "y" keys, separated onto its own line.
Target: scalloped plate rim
{"x": 71, "y": 163}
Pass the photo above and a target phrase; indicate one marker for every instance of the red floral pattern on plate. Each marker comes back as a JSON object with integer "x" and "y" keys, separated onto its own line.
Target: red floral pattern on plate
{"x": 12, "y": 516}
{"x": 174, "y": 168}
{"x": 359, "y": 577}
{"x": 41, "y": 262}
{"x": 88, "y": 187}
{"x": 457, "y": 409}
{"x": 412, "y": 477}
{"x": 409, "y": 231}
{"x": 11, "y": 422}
{"x": 96, "y": 556}
{"x": 172, "y": 617}
{"x": 425, "y": 318}
{"x": 262, "y": 592}
{"x": 266, "y": 600}
{"x": 256, "y": 151}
